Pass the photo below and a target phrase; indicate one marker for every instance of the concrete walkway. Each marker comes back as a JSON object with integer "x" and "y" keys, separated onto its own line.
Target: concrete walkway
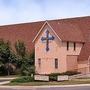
{"x": 6, "y": 80}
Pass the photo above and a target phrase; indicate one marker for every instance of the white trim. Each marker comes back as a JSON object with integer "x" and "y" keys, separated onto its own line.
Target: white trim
{"x": 53, "y": 31}
{"x": 42, "y": 28}
{"x": 39, "y": 32}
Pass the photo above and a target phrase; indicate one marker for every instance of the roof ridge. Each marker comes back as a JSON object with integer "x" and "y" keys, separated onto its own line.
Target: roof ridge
{"x": 68, "y": 18}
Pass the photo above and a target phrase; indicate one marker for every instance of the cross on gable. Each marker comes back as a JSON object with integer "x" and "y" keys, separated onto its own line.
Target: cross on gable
{"x": 47, "y": 39}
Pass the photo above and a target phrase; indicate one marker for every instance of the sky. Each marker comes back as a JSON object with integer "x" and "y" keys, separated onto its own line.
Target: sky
{"x": 23, "y": 11}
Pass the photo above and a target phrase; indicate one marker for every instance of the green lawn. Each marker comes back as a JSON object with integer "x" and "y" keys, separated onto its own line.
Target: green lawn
{"x": 70, "y": 82}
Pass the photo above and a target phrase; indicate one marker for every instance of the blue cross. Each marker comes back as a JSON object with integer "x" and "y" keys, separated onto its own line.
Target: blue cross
{"x": 47, "y": 38}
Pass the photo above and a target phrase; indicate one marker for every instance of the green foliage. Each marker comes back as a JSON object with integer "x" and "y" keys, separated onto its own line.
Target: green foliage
{"x": 25, "y": 61}
{"x": 70, "y": 73}
{"x": 20, "y": 48}
{"x": 23, "y": 79}
{"x": 4, "y": 50}
{"x": 53, "y": 76}
{"x": 65, "y": 73}
{"x": 32, "y": 57}
{"x": 27, "y": 68}
{"x": 6, "y": 65}
{"x": 15, "y": 62}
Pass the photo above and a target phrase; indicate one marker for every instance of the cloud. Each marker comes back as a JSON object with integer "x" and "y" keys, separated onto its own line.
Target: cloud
{"x": 22, "y": 11}
{"x": 17, "y": 11}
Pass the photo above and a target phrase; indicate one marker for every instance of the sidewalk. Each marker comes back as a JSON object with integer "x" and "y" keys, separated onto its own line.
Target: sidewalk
{"x": 6, "y": 80}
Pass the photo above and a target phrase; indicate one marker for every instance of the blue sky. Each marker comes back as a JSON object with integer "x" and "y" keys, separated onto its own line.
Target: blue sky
{"x": 22, "y": 11}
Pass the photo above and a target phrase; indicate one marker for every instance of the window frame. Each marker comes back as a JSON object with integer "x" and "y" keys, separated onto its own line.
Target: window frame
{"x": 56, "y": 63}
{"x": 39, "y": 62}
{"x": 74, "y": 44}
{"x": 67, "y": 46}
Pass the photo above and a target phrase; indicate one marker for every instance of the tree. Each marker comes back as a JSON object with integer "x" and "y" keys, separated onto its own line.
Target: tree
{"x": 11, "y": 62}
{"x": 32, "y": 58}
{"x": 25, "y": 60}
{"x": 28, "y": 66}
{"x": 21, "y": 52}
{"x": 20, "y": 48}
{"x": 5, "y": 56}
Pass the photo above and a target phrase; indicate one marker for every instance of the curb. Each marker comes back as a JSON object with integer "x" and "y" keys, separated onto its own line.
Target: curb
{"x": 46, "y": 86}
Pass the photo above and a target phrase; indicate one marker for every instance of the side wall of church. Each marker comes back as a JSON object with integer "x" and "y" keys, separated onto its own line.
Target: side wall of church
{"x": 57, "y": 49}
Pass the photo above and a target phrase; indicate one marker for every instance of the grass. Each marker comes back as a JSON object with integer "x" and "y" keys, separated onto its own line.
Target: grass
{"x": 37, "y": 83}
{"x": 29, "y": 81}
{"x": 23, "y": 79}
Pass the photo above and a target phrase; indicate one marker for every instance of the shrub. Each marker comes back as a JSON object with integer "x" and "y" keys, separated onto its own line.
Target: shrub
{"x": 23, "y": 79}
{"x": 27, "y": 70}
{"x": 69, "y": 73}
{"x": 53, "y": 76}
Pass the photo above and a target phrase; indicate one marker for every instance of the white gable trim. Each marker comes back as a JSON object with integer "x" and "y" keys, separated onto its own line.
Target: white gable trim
{"x": 54, "y": 31}
{"x": 39, "y": 32}
{"x": 46, "y": 22}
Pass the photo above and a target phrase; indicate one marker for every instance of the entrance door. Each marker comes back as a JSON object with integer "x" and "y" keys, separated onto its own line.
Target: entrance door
{"x": 72, "y": 63}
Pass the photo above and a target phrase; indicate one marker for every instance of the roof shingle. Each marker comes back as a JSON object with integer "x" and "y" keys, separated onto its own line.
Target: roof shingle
{"x": 72, "y": 29}
{"x": 24, "y": 32}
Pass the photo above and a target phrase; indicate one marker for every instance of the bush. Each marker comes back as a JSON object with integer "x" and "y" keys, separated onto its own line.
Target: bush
{"x": 23, "y": 79}
{"x": 70, "y": 73}
{"x": 27, "y": 70}
{"x": 53, "y": 76}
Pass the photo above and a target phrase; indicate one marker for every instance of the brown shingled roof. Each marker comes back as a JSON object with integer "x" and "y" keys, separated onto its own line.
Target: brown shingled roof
{"x": 85, "y": 52}
{"x": 72, "y": 29}
{"x": 24, "y": 32}
{"x": 76, "y": 30}
{"x": 67, "y": 31}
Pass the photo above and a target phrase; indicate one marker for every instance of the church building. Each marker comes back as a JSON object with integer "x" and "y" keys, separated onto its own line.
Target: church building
{"x": 60, "y": 45}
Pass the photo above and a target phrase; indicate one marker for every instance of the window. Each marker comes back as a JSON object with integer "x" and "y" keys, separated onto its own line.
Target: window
{"x": 83, "y": 44}
{"x": 67, "y": 45}
{"x": 56, "y": 63}
{"x": 74, "y": 46}
{"x": 39, "y": 62}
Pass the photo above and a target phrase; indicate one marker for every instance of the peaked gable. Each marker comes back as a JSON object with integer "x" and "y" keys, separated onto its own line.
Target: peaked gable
{"x": 66, "y": 30}
{"x": 46, "y": 23}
